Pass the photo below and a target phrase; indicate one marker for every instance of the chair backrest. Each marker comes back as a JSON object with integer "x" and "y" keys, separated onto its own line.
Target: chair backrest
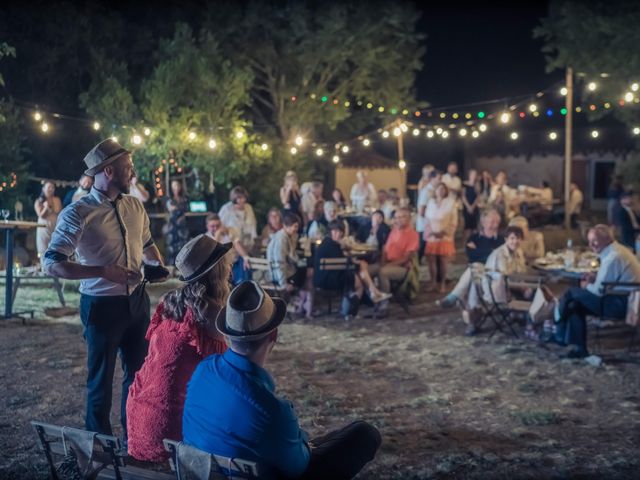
{"x": 190, "y": 463}
{"x": 523, "y": 281}
{"x": 259, "y": 264}
{"x": 334, "y": 264}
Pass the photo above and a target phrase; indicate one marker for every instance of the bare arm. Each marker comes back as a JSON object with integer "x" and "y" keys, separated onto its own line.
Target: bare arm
{"x": 75, "y": 271}
{"x": 41, "y": 208}
{"x": 152, "y": 256}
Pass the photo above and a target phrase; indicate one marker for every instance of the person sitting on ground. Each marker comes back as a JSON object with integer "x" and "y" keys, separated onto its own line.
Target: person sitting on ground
{"x": 284, "y": 261}
{"x": 331, "y": 247}
{"x": 180, "y": 335}
{"x": 617, "y": 264}
{"x": 374, "y": 233}
{"x": 240, "y": 257}
{"x": 232, "y": 408}
{"x": 274, "y": 223}
{"x": 479, "y": 247}
{"x": 84, "y": 187}
{"x": 401, "y": 246}
{"x": 532, "y": 244}
{"x": 440, "y": 222}
{"x": 626, "y": 221}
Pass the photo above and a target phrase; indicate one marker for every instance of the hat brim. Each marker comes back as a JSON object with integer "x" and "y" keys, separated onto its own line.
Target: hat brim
{"x": 218, "y": 253}
{"x": 279, "y": 313}
{"x": 91, "y": 172}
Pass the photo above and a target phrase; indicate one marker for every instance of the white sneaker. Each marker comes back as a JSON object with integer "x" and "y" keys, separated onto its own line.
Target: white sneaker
{"x": 380, "y": 297}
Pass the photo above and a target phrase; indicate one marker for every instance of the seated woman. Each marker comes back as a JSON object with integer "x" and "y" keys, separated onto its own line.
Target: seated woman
{"x": 274, "y": 224}
{"x": 342, "y": 280}
{"x": 182, "y": 333}
{"x": 284, "y": 261}
{"x": 506, "y": 259}
{"x": 374, "y": 233}
{"x": 319, "y": 227}
{"x": 532, "y": 244}
{"x": 478, "y": 248}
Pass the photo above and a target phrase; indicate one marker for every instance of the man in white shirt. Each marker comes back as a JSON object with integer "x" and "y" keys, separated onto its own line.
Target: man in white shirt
{"x": 452, "y": 180}
{"x": 108, "y": 231}
{"x": 617, "y": 264}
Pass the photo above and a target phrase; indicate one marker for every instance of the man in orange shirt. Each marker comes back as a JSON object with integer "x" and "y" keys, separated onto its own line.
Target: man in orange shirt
{"x": 402, "y": 243}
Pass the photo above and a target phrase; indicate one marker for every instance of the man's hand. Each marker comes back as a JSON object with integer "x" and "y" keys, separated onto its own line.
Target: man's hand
{"x": 120, "y": 275}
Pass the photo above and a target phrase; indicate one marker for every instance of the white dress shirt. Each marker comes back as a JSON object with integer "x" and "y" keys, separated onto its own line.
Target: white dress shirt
{"x": 101, "y": 232}
{"x": 617, "y": 264}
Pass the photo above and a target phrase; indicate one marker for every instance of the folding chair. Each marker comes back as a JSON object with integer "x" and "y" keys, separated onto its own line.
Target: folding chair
{"x": 337, "y": 264}
{"x": 190, "y": 463}
{"x": 625, "y": 289}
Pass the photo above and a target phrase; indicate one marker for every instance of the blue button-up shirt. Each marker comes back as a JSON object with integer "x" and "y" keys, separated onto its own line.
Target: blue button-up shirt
{"x": 232, "y": 410}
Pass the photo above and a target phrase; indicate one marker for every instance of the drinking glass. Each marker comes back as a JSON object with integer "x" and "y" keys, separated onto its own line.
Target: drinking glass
{"x": 5, "y": 215}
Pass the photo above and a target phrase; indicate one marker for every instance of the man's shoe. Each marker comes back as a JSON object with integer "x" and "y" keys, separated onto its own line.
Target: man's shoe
{"x": 575, "y": 353}
{"x": 450, "y": 301}
{"x": 380, "y": 297}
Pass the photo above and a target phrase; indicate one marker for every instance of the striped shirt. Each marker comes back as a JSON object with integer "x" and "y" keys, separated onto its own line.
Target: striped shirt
{"x": 101, "y": 232}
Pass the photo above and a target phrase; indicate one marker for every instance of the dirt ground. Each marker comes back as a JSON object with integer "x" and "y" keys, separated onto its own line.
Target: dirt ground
{"x": 447, "y": 406}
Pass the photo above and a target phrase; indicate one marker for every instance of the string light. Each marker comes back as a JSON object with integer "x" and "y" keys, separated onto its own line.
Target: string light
{"x": 533, "y": 107}
{"x": 192, "y": 136}
{"x": 445, "y": 134}
{"x": 385, "y": 134}
{"x": 294, "y": 150}
{"x": 319, "y": 152}
{"x": 564, "y": 91}
{"x": 482, "y": 127}
{"x": 505, "y": 117}
{"x": 475, "y": 134}
{"x": 239, "y": 134}
{"x": 514, "y": 135}
{"x": 264, "y": 147}
{"x": 404, "y": 127}
{"x": 147, "y": 131}
{"x": 336, "y": 159}
{"x": 634, "y": 87}
{"x": 114, "y": 138}
{"x": 397, "y": 132}
{"x": 402, "y": 164}
{"x": 592, "y": 86}
{"x": 381, "y": 109}
{"x": 96, "y": 126}
{"x": 366, "y": 142}
{"x": 439, "y": 131}
{"x": 37, "y": 116}
{"x": 136, "y": 139}
{"x": 628, "y": 97}
{"x": 44, "y": 127}
{"x": 212, "y": 144}
{"x": 345, "y": 149}
{"x": 430, "y": 134}
{"x": 462, "y": 132}
{"x": 416, "y": 132}
{"x": 636, "y": 130}
{"x": 553, "y": 136}
{"x": 595, "y": 134}
{"x": 298, "y": 141}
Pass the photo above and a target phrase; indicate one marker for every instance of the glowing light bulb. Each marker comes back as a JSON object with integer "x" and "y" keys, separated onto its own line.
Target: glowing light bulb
{"x": 439, "y": 131}
{"x": 114, "y": 138}
{"x": 319, "y": 152}
{"x": 294, "y": 150}
{"x": 239, "y": 134}
{"x": 345, "y": 149}
{"x": 136, "y": 139}
{"x": 416, "y": 132}
{"x": 445, "y": 134}
{"x": 482, "y": 127}
{"x": 299, "y": 141}
{"x": 96, "y": 126}
{"x": 212, "y": 144}
{"x": 385, "y": 134}
{"x": 462, "y": 132}
{"x": 628, "y": 97}
{"x": 336, "y": 159}
{"x": 634, "y": 87}
{"x": 533, "y": 107}
{"x": 369, "y": 106}
{"x": 505, "y": 117}
{"x": 366, "y": 142}
{"x": 475, "y": 134}
{"x": 192, "y": 136}
{"x": 595, "y": 133}
{"x": 514, "y": 135}
{"x": 397, "y": 132}
{"x": 37, "y": 116}
{"x": 592, "y": 86}
{"x": 146, "y": 131}
{"x": 564, "y": 91}
{"x": 430, "y": 134}
{"x": 553, "y": 135}
{"x": 44, "y": 127}
{"x": 402, "y": 164}
{"x": 264, "y": 146}
{"x": 636, "y": 130}
{"x": 404, "y": 127}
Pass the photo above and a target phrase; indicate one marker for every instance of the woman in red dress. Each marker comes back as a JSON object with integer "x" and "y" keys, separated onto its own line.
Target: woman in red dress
{"x": 182, "y": 333}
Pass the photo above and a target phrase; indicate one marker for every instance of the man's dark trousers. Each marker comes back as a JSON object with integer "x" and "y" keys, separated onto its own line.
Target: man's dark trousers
{"x": 576, "y": 304}
{"x": 111, "y": 325}
{"x": 341, "y": 454}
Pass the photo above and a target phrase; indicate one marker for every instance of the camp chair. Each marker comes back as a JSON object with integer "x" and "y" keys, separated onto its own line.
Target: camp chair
{"x": 632, "y": 320}
{"x": 80, "y": 453}
{"x": 190, "y": 463}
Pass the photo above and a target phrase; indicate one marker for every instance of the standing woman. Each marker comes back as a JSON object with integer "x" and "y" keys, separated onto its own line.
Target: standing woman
{"x": 181, "y": 334}
{"x": 47, "y": 207}
{"x": 237, "y": 213}
{"x": 290, "y": 195}
{"x": 176, "y": 230}
{"x": 441, "y": 220}
{"x": 470, "y": 200}
{"x": 485, "y": 184}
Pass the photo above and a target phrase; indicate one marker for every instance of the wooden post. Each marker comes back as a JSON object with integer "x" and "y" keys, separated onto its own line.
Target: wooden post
{"x": 568, "y": 147}
{"x": 400, "y": 140}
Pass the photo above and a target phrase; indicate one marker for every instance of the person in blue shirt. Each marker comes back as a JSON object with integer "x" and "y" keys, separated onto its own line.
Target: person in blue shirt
{"x": 232, "y": 409}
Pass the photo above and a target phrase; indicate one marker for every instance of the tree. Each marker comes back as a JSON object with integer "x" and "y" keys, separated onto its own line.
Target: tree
{"x": 599, "y": 41}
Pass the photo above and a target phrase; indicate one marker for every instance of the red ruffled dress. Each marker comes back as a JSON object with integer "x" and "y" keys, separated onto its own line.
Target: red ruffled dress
{"x": 157, "y": 394}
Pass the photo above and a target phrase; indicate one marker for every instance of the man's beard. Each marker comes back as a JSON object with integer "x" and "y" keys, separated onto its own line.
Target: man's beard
{"x": 124, "y": 187}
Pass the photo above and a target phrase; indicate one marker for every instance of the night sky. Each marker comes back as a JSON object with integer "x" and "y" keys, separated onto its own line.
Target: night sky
{"x": 480, "y": 52}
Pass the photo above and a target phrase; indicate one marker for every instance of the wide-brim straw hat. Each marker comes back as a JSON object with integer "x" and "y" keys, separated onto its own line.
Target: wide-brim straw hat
{"x": 103, "y": 154}
{"x": 199, "y": 256}
{"x": 250, "y": 313}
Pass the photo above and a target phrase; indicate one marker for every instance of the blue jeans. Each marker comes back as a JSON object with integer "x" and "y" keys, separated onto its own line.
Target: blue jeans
{"x": 112, "y": 325}
{"x": 238, "y": 273}
{"x": 575, "y": 305}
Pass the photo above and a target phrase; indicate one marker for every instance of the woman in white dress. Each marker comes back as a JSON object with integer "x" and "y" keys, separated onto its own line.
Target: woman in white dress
{"x": 440, "y": 222}
{"x": 47, "y": 207}
{"x": 363, "y": 193}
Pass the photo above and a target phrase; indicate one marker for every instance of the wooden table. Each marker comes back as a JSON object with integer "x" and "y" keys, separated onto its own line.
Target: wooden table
{"x": 10, "y": 227}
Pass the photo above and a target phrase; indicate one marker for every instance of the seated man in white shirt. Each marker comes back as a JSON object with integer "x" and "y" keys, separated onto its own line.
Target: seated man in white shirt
{"x": 617, "y": 264}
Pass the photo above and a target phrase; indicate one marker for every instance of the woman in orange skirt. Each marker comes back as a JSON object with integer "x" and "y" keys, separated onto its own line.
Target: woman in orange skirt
{"x": 441, "y": 220}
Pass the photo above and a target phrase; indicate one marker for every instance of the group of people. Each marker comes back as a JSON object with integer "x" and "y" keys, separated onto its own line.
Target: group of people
{"x": 196, "y": 372}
